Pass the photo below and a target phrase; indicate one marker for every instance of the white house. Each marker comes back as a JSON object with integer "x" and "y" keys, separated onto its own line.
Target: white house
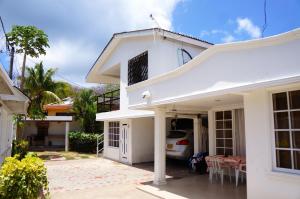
{"x": 249, "y": 90}
{"x": 12, "y": 101}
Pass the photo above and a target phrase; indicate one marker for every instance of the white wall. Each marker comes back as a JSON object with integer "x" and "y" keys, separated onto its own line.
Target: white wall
{"x": 6, "y": 133}
{"x": 142, "y": 140}
{"x": 162, "y": 58}
{"x": 222, "y": 70}
{"x": 262, "y": 181}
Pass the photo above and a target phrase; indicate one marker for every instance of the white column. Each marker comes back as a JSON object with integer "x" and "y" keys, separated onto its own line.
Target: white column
{"x": 160, "y": 147}
{"x": 196, "y": 135}
{"x": 67, "y": 136}
{"x": 211, "y": 134}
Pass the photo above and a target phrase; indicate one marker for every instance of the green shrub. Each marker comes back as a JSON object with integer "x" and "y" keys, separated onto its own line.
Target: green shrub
{"x": 83, "y": 142}
{"x": 23, "y": 179}
{"x": 20, "y": 148}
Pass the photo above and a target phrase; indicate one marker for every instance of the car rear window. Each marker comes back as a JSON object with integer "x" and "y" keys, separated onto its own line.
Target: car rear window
{"x": 176, "y": 134}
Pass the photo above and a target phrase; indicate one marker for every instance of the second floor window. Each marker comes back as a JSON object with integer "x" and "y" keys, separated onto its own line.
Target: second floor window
{"x": 138, "y": 68}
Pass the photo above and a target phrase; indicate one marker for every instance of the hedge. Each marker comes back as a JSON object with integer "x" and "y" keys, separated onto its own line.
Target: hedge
{"x": 23, "y": 179}
{"x": 83, "y": 142}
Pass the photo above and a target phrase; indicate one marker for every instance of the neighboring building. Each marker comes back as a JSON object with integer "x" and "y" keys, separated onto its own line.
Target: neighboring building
{"x": 51, "y": 132}
{"x": 249, "y": 91}
{"x": 12, "y": 101}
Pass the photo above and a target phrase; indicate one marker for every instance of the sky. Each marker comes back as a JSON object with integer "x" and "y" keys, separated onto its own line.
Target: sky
{"x": 78, "y": 30}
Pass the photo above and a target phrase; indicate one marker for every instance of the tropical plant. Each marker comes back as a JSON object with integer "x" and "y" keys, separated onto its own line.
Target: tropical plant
{"x": 20, "y": 148}
{"x": 85, "y": 109}
{"x": 40, "y": 88}
{"x": 64, "y": 90}
{"x": 23, "y": 179}
{"x": 83, "y": 142}
{"x": 30, "y": 41}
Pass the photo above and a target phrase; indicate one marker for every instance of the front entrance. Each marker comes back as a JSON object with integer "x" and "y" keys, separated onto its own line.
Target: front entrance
{"x": 124, "y": 143}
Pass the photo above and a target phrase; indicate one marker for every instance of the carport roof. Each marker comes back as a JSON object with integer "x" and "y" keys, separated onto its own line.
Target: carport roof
{"x": 123, "y": 114}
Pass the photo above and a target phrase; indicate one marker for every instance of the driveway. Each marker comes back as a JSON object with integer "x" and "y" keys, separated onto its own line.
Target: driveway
{"x": 96, "y": 178}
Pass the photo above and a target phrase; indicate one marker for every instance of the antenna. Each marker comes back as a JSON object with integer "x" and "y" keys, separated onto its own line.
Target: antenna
{"x": 153, "y": 19}
{"x": 265, "y": 16}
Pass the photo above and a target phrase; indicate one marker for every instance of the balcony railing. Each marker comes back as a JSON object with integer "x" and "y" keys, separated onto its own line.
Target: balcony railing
{"x": 109, "y": 101}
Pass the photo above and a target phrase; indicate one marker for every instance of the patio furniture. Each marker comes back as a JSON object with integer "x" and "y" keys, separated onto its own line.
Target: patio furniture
{"x": 216, "y": 166}
{"x": 237, "y": 163}
{"x": 240, "y": 169}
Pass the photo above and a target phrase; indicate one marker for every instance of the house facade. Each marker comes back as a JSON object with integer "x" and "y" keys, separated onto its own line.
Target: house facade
{"x": 249, "y": 92}
{"x": 12, "y": 101}
{"x": 52, "y": 131}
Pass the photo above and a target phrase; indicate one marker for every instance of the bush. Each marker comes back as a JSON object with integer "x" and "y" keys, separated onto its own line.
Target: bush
{"x": 83, "y": 142}
{"x": 25, "y": 179}
{"x": 20, "y": 148}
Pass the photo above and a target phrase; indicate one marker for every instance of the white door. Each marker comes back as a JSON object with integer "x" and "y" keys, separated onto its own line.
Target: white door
{"x": 124, "y": 142}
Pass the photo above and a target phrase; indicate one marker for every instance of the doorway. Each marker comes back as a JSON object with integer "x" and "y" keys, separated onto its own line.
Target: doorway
{"x": 124, "y": 142}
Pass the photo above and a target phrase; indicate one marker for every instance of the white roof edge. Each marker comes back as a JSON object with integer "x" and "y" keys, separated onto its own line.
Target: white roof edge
{"x": 268, "y": 41}
{"x": 244, "y": 88}
{"x": 53, "y": 118}
{"x": 123, "y": 114}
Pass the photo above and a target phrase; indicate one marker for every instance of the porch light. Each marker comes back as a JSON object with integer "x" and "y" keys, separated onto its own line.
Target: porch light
{"x": 146, "y": 95}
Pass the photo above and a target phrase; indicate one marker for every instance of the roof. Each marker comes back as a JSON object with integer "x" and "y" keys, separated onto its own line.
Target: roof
{"x": 191, "y": 39}
{"x": 13, "y": 98}
{"x": 66, "y": 103}
{"x": 123, "y": 114}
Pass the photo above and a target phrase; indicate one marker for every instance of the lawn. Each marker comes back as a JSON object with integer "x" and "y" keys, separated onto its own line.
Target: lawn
{"x": 62, "y": 155}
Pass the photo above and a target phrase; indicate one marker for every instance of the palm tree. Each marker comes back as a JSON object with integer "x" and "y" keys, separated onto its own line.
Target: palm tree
{"x": 85, "y": 109}
{"x": 40, "y": 88}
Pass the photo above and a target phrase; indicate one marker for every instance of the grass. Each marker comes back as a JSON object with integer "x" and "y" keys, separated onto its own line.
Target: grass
{"x": 71, "y": 155}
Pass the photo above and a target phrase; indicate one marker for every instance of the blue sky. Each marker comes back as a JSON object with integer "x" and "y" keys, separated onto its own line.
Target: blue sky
{"x": 78, "y": 30}
{"x": 196, "y": 16}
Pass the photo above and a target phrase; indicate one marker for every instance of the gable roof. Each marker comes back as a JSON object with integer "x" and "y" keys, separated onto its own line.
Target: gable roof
{"x": 115, "y": 39}
{"x": 11, "y": 96}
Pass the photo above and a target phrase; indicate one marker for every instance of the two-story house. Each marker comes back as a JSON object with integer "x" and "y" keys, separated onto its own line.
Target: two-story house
{"x": 129, "y": 58}
{"x": 249, "y": 91}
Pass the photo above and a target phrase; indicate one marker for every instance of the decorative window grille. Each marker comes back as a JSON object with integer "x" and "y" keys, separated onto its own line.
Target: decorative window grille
{"x": 286, "y": 113}
{"x": 113, "y": 134}
{"x": 138, "y": 68}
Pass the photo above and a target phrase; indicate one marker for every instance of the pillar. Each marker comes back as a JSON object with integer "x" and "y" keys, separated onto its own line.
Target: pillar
{"x": 67, "y": 136}
{"x": 196, "y": 135}
{"x": 159, "y": 147}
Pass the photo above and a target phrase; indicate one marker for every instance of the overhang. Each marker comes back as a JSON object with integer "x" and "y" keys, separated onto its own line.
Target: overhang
{"x": 53, "y": 119}
{"x": 123, "y": 114}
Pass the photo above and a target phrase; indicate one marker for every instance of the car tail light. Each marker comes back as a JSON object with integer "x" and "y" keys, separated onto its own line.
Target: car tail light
{"x": 182, "y": 142}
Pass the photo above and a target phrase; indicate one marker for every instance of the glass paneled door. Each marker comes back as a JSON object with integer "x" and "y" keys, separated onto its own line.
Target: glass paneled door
{"x": 124, "y": 142}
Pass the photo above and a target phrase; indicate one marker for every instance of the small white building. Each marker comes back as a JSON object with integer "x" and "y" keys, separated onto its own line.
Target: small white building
{"x": 249, "y": 91}
{"x": 52, "y": 131}
{"x": 12, "y": 101}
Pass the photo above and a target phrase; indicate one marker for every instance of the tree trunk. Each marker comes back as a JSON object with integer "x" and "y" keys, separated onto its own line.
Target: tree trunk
{"x": 23, "y": 72}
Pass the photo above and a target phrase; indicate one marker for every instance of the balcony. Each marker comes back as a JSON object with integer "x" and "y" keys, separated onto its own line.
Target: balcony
{"x": 109, "y": 101}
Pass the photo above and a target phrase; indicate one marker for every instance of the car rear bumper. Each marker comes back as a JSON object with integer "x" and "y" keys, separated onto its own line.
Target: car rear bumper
{"x": 181, "y": 155}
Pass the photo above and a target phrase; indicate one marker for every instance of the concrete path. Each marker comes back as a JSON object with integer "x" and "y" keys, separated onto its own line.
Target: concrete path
{"x": 96, "y": 178}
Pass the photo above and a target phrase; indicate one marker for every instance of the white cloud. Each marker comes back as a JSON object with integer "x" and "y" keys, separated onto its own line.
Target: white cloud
{"x": 228, "y": 39}
{"x": 245, "y": 24}
{"x": 78, "y": 30}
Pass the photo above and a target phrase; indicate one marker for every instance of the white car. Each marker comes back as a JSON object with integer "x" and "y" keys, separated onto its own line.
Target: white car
{"x": 180, "y": 144}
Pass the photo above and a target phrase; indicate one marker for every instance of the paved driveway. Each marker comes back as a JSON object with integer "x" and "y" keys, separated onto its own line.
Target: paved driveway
{"x": 96, "y": 178}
